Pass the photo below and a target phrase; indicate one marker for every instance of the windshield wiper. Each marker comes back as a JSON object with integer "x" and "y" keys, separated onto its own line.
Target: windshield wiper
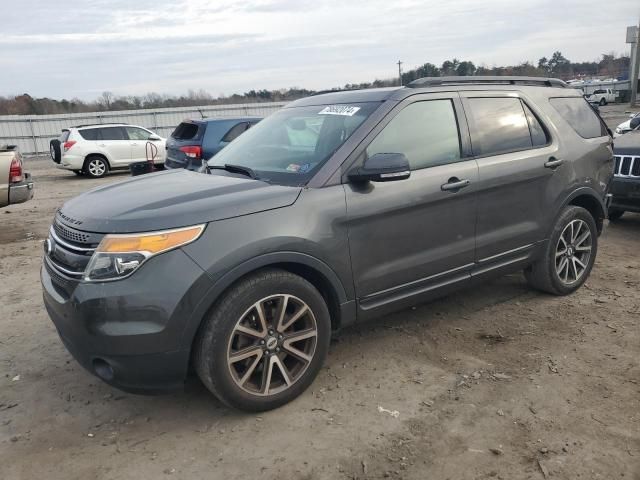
{"x": 234, "y": 169}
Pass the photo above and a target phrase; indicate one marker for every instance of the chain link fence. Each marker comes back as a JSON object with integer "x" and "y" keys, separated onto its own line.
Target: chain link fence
{"x": 32, "y": 133}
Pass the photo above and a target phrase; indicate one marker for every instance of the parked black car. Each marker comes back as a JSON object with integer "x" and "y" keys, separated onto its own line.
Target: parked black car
{"x": 338, "y": 208}
{"x": 196, "y": 140}
{"x": 625, "y": 187}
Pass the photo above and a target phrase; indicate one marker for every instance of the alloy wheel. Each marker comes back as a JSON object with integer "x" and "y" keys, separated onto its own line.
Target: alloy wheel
{"x": 97, "y": 168}
{"x": 573, "y": 252}
{"x": 272, "y": 345}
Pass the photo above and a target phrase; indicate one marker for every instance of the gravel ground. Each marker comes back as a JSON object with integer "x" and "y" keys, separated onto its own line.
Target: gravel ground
{"x": 496, "y": 382}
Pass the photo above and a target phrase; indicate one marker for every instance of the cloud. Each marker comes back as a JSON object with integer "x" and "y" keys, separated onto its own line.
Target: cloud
{"x": 80, "y": 47}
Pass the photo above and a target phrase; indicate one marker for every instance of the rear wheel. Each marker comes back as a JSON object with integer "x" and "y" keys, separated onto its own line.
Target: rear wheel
{"x": 95, "y": 166}
{"x": 569, "y": 255}
{"x": 264, "y": 342}
{"x": 615, "y": 215}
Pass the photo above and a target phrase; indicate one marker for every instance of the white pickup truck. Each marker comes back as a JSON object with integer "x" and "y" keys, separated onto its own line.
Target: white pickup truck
{"x": 602, "y": 96}
{"x": 16, "y": 185}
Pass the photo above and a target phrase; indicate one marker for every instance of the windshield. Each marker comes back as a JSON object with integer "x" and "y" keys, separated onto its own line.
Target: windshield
{"x": 289, "y": 146}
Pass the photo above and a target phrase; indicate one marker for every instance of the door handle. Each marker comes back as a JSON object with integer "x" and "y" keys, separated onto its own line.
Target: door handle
{"x": 553, "y": 162}
{"x": 454, "y": 184}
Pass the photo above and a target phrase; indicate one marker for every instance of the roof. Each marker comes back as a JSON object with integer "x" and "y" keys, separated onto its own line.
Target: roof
{"x": 432, "y": 83}
{"x": 347, "y": 96}
{"x": 487, "y": 80}
{"x": 223, "y": 119}
{"x": 99, "y": 125}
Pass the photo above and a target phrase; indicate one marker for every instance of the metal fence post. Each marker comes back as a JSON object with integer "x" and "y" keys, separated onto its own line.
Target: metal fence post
{"x": 33, "y": 137}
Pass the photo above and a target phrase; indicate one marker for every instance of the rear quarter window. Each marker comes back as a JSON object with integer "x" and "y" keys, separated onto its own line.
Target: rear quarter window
{"x": 90, "y": 133}
{"x": 186, "y": 131}
{"x": 578, "y": 113}
{"x": 235, "y": 132}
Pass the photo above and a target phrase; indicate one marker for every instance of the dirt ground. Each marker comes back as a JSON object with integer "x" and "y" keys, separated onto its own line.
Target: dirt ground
{"x": 497, "y": 382}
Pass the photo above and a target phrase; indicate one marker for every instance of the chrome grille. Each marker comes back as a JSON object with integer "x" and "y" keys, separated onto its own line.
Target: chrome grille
{"x": 68, "y": 234}
{"x": 627, "y": 166}
{"x": 68, "y": 251}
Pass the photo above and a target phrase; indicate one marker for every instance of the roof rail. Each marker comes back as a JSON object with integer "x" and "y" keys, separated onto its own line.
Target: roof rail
{"x": 335, "y": 90}
{"x": 487, "y": 80}
{"x": 97, "y": 124}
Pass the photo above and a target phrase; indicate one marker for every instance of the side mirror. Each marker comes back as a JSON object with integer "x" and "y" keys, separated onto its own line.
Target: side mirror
{"x": 382, "y": 167}
{"x": 153, "y": 137}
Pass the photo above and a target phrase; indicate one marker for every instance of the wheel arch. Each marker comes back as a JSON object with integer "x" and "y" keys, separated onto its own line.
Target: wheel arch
{"x": 589, "y": 200}
{"x": 315, "y": 271}
{"x": 96, "y": 154}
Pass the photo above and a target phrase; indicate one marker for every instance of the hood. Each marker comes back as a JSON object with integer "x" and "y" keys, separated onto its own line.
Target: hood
{"x": 627, "y": 144}
{"x": 171, "y": 199}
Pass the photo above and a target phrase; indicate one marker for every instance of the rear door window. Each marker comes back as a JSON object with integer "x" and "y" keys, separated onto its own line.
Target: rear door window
{"x": 235, "y": 132}
{"x": 91, "y": 134}
{"x": 579, "y": 114}
{"x": 500, "y": 126}
{"x": 113, "y": 133}
{"x": 186, "y": 131}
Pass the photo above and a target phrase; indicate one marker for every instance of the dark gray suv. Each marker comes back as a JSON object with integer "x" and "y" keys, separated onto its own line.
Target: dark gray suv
{"x": 336, "y": 209}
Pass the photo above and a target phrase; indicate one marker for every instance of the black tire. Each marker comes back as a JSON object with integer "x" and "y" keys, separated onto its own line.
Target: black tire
{"x": 55, "y": 151}
{"x": 615, "y": 215}
{"x": 543, "y": 274}
{"x": 603, "y": 102}
{"x": 215, "y": 340}
{"x": 95, "y": 166}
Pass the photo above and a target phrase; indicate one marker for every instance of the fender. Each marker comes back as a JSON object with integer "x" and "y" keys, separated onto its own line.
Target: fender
{"x": 582, "y": 191}
{"x": 586, "y": 191}
{"x": 255, "y": 263}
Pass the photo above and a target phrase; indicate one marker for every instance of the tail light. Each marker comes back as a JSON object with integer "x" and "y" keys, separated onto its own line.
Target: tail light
{"x": 192, "y": 151}
{"x": 15, "y": 171}
{"x": 69, "y": 144}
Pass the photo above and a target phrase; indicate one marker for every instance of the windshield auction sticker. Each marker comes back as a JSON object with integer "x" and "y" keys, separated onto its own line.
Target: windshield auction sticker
{"x": 346, "y": 110}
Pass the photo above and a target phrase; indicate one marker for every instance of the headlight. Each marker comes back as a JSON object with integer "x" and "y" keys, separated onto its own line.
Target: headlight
{"x": 618, "y": 130}
{"x": 118, "y": 256}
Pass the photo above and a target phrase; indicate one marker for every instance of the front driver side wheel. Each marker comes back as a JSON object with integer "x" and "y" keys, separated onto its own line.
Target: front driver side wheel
{"x": 264, "y": 341}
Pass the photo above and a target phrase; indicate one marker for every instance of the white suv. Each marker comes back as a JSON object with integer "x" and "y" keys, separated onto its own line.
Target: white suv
{"x": 93, "y": 150}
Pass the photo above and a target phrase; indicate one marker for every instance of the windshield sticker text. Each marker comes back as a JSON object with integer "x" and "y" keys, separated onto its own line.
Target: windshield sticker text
{"x": 346, "y": 110}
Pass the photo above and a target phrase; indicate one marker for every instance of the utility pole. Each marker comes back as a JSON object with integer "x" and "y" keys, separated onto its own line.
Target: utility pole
{"x": 400, "y": 71}
{"x": 633, "y": 37}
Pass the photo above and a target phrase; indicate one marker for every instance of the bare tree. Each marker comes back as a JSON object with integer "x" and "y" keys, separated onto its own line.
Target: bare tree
{"x": 106, "y": 100}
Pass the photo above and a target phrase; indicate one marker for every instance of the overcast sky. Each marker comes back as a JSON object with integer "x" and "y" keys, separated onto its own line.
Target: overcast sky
{"x": 79, "y": 48}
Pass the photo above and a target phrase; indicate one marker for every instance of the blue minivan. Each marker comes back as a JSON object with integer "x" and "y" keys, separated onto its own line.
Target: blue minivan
{"x": 196, "y": 140}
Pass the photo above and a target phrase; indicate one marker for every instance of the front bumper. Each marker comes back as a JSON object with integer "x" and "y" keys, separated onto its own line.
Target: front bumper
{"x": 625, "y": 194}
{"x": 22, "y": 191}
{"x": 130, "y": 332}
